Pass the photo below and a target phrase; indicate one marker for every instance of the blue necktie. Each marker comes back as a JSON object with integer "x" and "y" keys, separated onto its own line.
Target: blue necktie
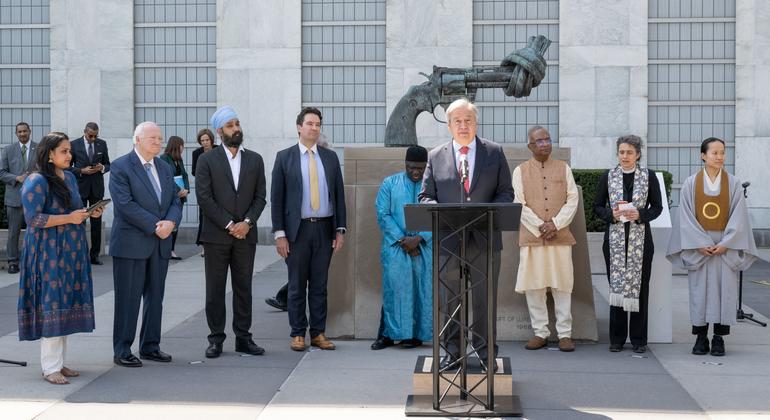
{"x": 155, "y": 186}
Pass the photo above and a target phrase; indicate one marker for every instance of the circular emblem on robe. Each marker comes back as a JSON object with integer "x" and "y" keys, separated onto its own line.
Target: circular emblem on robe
{"x": 711, "y": 210}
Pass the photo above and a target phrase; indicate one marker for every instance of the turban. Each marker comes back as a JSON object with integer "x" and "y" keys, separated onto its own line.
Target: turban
{"x": 416, "y": 154}
{"x": 222, "y": 116}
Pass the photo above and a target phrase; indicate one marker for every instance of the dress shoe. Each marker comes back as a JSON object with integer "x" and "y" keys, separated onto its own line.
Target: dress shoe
{"x": 249, "y": 347}
{"x": 127, "y": 361}
{"x": 156, "y": 356}
{"x": 13, "y": 268}
{"x": 322, "y": 342}
{"x": 565, "y": 344}
{"x": 717, "y": 346}
{"x": 298, "y": 343}
{"x": 701, "y": 346}
{"x": 410, "y": 344}
{"x": 639, "y": 349}
{"x": 484, "y": 367}
{"x": 615, "y": 348}
{"x": 213, "y": 350}
{"x": 448, "y": 362}
{"x": 275, "y": 303}
{"x": 96, "y": 261}
{"x": 536, "y": 342}
{"x": 381, "y": 343}
{"x": 174, "y": 256}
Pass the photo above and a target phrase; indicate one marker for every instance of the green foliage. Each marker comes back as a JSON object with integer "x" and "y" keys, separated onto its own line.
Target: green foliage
{"x": 588, "y": 179}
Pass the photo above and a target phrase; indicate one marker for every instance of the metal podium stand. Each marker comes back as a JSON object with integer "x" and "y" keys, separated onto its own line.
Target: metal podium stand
{"x": 451, "y": 223}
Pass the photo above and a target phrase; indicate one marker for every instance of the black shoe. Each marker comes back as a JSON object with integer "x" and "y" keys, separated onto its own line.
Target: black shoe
{"x": 449, "y": 362}
{"x": 641, "y": 348}
{"x": 615, "y": 348}
{"x": 156, "y": 356}
{"x": 701, "y": 346}
{"x": 410, "y": 344}
{"x": 717, "y": 346}
{"x": 249, "y": 347}
{"x": 275, "y": 303}
{"x": 214, "y": 350}
{"x": 484, "y": 367}
{"x": 96, "y": 261}
{"x": 127, "y": 361}
{"x": 13, "y": 268}
{"x": 381, "y": 343}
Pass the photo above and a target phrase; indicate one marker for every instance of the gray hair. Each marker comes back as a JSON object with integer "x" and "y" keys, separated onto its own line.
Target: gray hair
{"x": 631, "y": 140}
{"x": 536, "y": 128}
{"x": 461, "y": 103}
{"x": 139, "y": 130}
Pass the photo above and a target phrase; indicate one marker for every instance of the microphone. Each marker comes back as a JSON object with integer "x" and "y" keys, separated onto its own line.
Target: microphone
{"x": 746, "y": 184}
{"x": 463, "y": 167}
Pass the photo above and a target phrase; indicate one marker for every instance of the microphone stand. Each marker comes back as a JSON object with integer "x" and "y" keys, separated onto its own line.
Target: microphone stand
{"x": 741, "y": 314}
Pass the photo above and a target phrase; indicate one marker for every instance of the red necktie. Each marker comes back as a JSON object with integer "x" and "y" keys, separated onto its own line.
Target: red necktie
{"x": 467, "y": 183}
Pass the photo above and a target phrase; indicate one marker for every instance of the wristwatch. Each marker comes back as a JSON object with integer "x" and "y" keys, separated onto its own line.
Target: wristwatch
{"x": 249, "y": 222}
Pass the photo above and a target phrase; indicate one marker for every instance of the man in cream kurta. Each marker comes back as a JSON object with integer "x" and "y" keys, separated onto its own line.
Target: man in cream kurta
{"x": 549, "y": 198}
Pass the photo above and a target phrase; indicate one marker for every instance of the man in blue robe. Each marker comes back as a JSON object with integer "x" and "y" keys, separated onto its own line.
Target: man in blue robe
{"x": 407, "y": 259}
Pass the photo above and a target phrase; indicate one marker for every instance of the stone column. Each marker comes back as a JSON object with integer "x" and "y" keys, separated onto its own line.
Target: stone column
{"x": 602, "y": 77}
{"x": 752, "y": 106}
{"x": 420, "y": 34}
{"x": 92, "y": 71}
{"x": 259, "y": 74}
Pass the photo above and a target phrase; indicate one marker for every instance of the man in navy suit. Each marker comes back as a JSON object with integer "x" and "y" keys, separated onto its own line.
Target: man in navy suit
{"x": 488, "y": 181}
{"x": 90, "y": 161}
{"x": 308, "y": 211}
{"x": 147, "y": 209}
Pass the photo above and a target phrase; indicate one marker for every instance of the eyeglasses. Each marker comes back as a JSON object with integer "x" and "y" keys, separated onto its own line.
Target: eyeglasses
{"x": 541, "y": 142}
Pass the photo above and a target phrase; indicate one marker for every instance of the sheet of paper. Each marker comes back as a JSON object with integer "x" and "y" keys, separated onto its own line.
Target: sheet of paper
{"x": 625, "y": 206}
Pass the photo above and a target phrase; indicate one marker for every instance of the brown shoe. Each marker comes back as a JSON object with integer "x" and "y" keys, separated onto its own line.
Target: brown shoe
{"x": 298, "y": 343}
{"x": 536, "y": 342}
{"x": 565, "y": 344}
{"x": 322, "y": 342}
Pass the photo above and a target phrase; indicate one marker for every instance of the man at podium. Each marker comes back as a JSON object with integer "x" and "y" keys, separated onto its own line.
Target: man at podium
{"x": 472, "y": 170}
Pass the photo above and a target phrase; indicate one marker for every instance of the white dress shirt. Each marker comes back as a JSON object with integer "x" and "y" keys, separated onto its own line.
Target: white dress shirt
{"x": 471, "y": 158}
{"x": 153, "y": 169}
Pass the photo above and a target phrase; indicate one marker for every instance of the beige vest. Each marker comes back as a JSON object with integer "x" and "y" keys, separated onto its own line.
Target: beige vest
{"x": 545, "y": 191}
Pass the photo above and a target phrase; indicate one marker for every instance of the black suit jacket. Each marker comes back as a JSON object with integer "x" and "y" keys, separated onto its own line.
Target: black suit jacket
{"x": 219, "y": 199}
{"x": 286, "y": 191}
{"x": 491, "y": 182}
{"x": 90, "y": 186}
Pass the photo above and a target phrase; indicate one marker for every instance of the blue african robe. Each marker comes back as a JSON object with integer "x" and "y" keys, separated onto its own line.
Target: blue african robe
{"x": 406, "y": 280}
{"x": 55, "y": 287}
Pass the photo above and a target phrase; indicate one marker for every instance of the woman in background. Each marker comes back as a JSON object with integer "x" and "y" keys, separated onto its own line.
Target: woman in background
{"x": 206, "y": 140}
{"x": 173, "y": 156}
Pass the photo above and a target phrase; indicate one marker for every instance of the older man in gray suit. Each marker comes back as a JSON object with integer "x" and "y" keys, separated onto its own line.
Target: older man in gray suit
{"x": 488, "y": 181}
{"x": 18, "y": 160}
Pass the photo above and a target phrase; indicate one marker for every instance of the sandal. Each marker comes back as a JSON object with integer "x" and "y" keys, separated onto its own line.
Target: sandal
{"x": 69, "y": 373}
{"x": 56, "y": 378}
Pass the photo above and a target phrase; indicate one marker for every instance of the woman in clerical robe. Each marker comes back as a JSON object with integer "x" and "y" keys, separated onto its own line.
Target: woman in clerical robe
{"x": 712, "y": 240}
{"x": 627, "y": 199}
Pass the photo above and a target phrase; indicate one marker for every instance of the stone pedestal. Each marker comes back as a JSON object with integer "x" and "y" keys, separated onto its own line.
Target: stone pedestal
{"x": 355, "y": 281}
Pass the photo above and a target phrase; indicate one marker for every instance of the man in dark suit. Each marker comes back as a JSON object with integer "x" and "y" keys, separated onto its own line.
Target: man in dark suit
{"x": 308, "y": 210}
{"x": 147, "y": 208}
{"x": 230, "y": 186}
{"x": 18, "y": 160}
{"x": 488, "y": 181}
{"x": 90, "y": 161}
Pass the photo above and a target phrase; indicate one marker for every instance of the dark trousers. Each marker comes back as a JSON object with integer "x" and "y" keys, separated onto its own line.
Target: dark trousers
{"x": 308, "y": 264}
{"x": 200, "y": 226}
{"x": 15, "y": 221}
{"x": 450, "y": 272}
{"x": 631, "y": 324}
{"x": 173, "y": 239}
{"x": 138, "y": 281}
{"x": 96, "y": 228}
{"x": 239, "y": 258}
{"x": 283, "y": 293}
{"x": 719, "y": 329}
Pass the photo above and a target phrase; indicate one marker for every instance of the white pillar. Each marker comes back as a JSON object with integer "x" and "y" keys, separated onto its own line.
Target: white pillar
{"x": 602, "y": 77}
{"x": 752, "y": 105}
{"x": 420, "y": 34}
{"x": 259, "y": 73}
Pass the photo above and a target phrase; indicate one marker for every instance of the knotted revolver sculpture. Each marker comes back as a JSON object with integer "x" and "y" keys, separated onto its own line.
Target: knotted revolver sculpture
{"x": 518, "y": 73}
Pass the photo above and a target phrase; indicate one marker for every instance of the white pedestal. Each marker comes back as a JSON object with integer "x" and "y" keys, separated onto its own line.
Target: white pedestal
{"x": 659, "y": 323}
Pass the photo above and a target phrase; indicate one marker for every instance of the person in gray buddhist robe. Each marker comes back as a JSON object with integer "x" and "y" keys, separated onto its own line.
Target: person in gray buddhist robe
{"x": 712, "y": 240}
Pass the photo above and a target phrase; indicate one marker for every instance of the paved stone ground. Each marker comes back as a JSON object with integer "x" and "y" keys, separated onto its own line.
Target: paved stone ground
{"x": 355, "y": 382}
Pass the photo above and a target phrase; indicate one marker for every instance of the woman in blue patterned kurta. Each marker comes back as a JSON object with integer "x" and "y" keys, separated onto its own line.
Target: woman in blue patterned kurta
{"x": 55, "y": 296}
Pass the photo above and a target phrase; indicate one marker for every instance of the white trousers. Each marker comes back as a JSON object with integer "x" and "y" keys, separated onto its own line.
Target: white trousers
{"x": 538, "y": 312}
{"x": 52, "y": 351}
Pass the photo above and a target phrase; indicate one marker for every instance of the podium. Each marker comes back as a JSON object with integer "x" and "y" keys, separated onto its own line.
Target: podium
{"x": 452, "y": 225}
